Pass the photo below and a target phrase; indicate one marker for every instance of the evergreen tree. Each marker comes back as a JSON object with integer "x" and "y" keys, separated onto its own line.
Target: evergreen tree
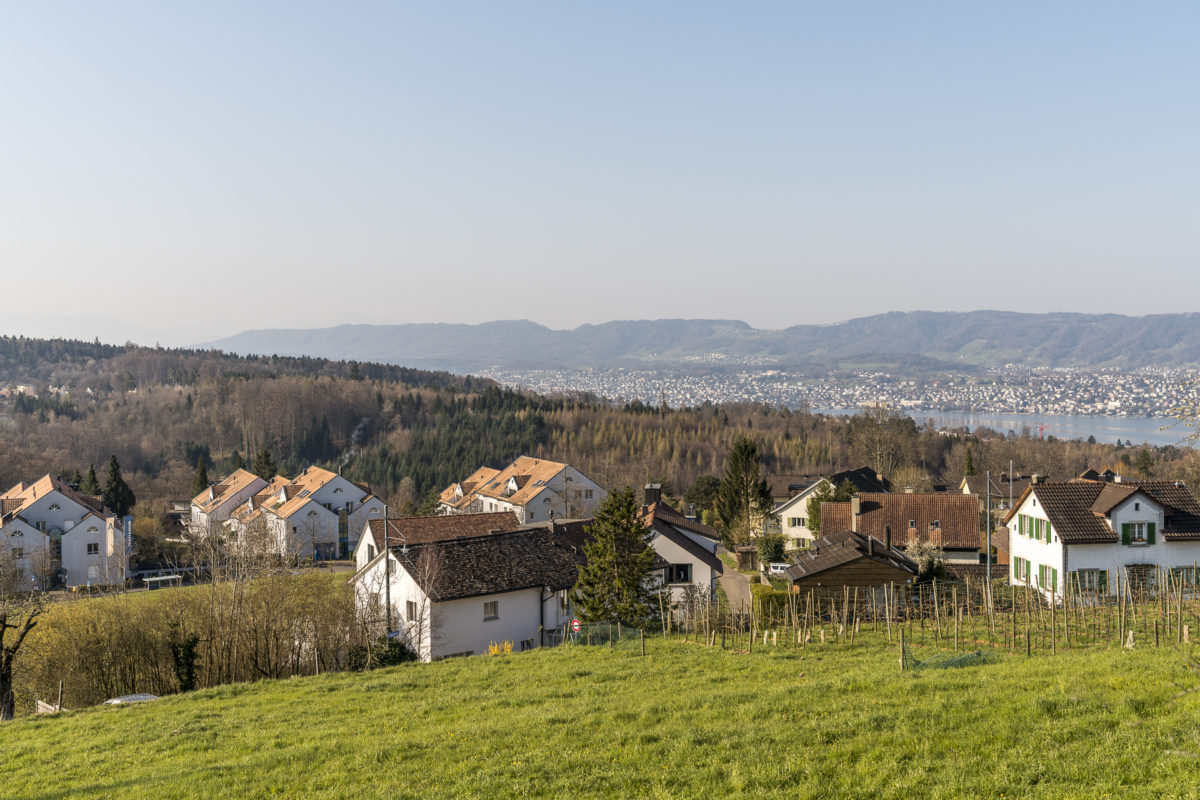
{"x": 200, "y": 481}
{"x": 90, "y": 485}
{"x": 743, "y": 499}
{"x": 612, "y": 582}
{"x": 264, "y": 465}
{"x": 238, "y": 462}
{"x": 969, "y": 467}
{"x": 826, "y": 493}
{"x": 118, "y": 497}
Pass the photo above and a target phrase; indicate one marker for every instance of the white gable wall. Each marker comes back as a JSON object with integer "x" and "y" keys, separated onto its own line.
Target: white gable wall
{"x": 703, "y": 577}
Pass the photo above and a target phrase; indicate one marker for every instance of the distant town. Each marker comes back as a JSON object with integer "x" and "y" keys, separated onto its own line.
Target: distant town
{"x": 1150, "y": 392}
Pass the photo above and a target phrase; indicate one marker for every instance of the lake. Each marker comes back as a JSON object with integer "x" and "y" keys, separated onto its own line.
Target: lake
{"x": 1139, "y": 430}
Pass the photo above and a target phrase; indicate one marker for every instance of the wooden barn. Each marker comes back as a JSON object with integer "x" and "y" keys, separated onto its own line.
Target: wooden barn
{"x": 848, "y": 558}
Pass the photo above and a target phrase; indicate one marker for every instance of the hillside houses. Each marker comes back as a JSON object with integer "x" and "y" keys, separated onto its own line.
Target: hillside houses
{"x": 316, "y": 515}
{"x": 686, "y": 549}
{"x": 534, "y": 489}
{"x": 791, "y": 494}
{"x": 54, "y": 534}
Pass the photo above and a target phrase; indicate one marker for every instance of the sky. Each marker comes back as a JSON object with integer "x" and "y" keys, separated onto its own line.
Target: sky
{"x": 177, "y": 172}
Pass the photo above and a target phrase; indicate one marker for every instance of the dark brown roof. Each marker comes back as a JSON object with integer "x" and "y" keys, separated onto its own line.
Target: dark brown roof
{"x": 483, "y": 565}
{"x": 956, "y": 515}
{"x": 864, "y": 479}
{"x": 782, "y": 486}
{"x": 1078, "y": 509}
{"x": 668, "y": 522}
{"x": 1001, "y": 485}
{"x": 414, "y": 530}
{"x": 843, "y": 547}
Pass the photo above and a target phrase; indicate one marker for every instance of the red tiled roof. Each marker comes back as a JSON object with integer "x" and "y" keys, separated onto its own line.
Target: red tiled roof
{"x": 949, "y": 520}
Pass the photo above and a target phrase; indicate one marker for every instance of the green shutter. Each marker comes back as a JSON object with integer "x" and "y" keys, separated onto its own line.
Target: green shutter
{"x": 1102, "y": 581}
{"x": 1150, "y": 533}
{"x": 1054, "y": 579}
{"x": 1124, "y": 533}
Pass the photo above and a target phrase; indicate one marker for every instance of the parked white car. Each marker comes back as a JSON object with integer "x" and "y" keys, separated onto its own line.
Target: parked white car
{"x": 777, "y": 567}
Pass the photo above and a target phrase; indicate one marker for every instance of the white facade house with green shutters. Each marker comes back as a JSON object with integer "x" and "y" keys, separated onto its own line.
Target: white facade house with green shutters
{"x": 1099, "y": 535}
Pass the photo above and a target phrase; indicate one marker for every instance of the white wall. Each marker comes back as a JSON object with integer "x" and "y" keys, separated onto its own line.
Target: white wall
{"x": 102, "y": 568}
{"x": 703, "y": 577}
{"x": 228, "y": 503}
{"x": 796, "y": 536}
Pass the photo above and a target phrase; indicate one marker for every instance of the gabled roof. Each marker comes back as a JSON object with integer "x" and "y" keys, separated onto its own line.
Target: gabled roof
{"x": 23, "y": 495}
{"x": 528, "y": 474}
{"x": 483, "y": 565}
{"x": 414, "y": 530}
{"x": 1001, "y": 485}
{"x": 219, "y": 492}
{"x": 669, "y": 524}
{"x": 864, "y": 479}
{"x": 283, "y": 497}
{"x": 843, "y": 547}
{"x": 1078, "y": 509}
{"x": 956, "y": 515}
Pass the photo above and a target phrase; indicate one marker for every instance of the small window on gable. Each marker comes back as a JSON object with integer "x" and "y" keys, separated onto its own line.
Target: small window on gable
{"x": 55, "y": 507}
{"x": 937, "y": 523}
{"x": 1137, "y": 506}
{"x": 338, "y": 490}
{"x": 912, "y": 524}
{"x": 93, "y": 529}
{"x": 312, "y": 513}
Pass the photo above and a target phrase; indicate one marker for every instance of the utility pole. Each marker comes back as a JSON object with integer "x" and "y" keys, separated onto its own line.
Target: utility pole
{"x": 989, "y": 528}
{"x": 387, "y": 571}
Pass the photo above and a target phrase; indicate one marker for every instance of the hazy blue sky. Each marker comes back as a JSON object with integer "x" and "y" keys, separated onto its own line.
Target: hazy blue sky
{"x": 177, "y": 172}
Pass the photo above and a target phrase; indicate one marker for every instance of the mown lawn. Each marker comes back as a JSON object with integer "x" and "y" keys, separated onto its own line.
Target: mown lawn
{"x": 685, "y": 721}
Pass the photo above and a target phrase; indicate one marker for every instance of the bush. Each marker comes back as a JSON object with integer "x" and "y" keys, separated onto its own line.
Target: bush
{"x": 770, "y": 548}
{"x": 768, "y": 601}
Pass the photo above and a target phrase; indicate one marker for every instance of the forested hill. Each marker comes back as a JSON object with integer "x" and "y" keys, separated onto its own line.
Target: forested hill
{"x": 971, "y": 338}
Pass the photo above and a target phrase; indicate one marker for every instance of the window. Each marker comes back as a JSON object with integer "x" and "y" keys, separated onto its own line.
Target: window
{"x": 1048, "y": 578}
{"x": 370, "y": 552}
{"x": 679, "y": 573}
{"x": 491, "y": 610}
{"x": 410, "y": 611}
{"x": 587, "y": 494}
{"x": 912, "y": 524}
{"x": 18, "y": 552}
{"x": 1137, "y": 506}
{"x": 93, "y": 574}
{"x": 93, "y": 549}
{"x": 1020, "y": 569}
{"x": 1093, "y": 580}
{"x": 55, "y": 507}
{"x": 795, "y": 522}
{"x": 1137, "y": 533}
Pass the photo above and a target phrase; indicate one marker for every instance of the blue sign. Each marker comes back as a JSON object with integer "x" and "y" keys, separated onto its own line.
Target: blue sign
{"x": 128, "y": 535}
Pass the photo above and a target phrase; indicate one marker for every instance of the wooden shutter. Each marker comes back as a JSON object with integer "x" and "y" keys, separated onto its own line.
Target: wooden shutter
{"x": 1054, "y": 579}
{"x": 1124, "y": 533}
{"x": 1150, "y": 533}
{"x": 1102, "y": 580}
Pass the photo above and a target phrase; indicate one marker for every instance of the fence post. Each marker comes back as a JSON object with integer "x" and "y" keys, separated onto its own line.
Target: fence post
{"x": 903, "y": 662}
{"x": 643, "y": 637}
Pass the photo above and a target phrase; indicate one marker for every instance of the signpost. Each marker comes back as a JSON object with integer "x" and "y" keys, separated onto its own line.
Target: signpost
{"x": 575, "y": 625}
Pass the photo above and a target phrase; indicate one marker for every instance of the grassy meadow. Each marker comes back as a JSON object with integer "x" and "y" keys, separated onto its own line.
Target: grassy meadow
{"x": 684, "y": 721}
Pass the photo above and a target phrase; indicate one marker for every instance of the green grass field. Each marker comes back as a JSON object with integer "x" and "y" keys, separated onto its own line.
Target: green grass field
{"x": 685, "y": 721}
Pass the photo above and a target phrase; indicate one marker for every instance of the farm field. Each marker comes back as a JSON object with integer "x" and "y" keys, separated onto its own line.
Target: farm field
{"x": 684, "y": 721}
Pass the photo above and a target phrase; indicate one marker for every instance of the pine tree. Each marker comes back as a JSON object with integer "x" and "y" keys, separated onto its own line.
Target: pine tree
{"x": 90, "y": 485}
{"x": 238, "y": 462}
{"x": 743, "y": 499}
{"x": 969, "y": 468}
{"x": 612, "y": 583}
{"x": 200, "y": 481}
{"x": 264, "y": 465}
{"x": 118, "y": 497}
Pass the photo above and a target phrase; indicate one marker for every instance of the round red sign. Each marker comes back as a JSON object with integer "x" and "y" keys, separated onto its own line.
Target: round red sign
{"x": 575, "y": 625}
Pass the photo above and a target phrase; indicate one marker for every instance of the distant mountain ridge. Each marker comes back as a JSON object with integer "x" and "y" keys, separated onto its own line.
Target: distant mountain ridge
{"x": 934, "y": 338}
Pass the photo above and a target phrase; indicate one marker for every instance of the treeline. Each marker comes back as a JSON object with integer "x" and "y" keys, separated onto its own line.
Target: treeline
{"x": 184, "y": 639}
{"x": 409, "y": 433}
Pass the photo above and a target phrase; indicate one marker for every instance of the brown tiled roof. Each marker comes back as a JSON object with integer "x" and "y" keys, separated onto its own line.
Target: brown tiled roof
{"x": 843, "y": 547}
{"x": 864, "y": 479}
{"x": 414, "y": 530}
{"x": 483, "y": 565}
{"x": 956, "y": 514}
{"x": 666, "y": 521}
{"x": 231, "y": 485}
{"x": 1078, "y": 509}
{"x": 530, "y": 475}
{"x": 790, "y": 485}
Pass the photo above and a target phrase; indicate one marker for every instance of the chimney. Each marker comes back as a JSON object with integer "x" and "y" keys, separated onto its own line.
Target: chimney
{"x": 653, "y": 493}
{"x": 1035, "y": 478}
{"x": 1116, "y": 478}
{"x": 879, "y": 478}
{"x": 870, "y": 545}
{"x": 855, "y": 510}
{"x": 887, "y": 536}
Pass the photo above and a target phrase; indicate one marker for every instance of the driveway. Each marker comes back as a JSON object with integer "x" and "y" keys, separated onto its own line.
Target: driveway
{"x": 736, "y": 586}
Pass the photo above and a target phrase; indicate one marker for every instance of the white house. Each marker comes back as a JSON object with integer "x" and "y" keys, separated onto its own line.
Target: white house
{"x": 1099, "y": 532}
{"x": 687, "y": 547}
{"x": 457, "y": 597}
{"x": 217, "y": 503}
{"x": 420, "y": 530}
{"x": 534, "y": 489}
{"x": 54, "y": 534}
{"x": 792, "y": 513}
{"x": 318, "y": 514}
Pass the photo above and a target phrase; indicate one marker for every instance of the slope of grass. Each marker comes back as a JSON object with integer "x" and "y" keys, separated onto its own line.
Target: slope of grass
{"x": 685, "y": 721}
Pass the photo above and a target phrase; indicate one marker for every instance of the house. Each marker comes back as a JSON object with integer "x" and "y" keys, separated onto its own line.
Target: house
{"x": 456, "y": 597}
{"x": 686, "y": 548}
{"x": 216, "y": 504}
{"x": 949, "y": 521}
{"x": 420, "y": 530}
{"x": 849, "y": 559}
{"x": 316, "y": 515}
{"x": 55, "y": 534}
{"x": 1097, "y": 533}
{"x": 791, "y": 512}
{"x": 534, "y": 489}
{"x": 1005, "y": 489}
